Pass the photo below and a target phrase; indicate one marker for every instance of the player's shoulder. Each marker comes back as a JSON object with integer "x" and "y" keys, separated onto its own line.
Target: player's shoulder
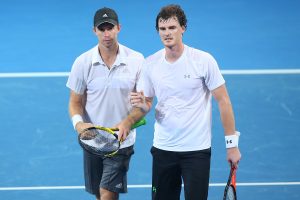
{"x": 198, "y": 54}
{"x": 130, "y": 53}
{"x": 87, "y": 55}
{"x": 154, "y": 58}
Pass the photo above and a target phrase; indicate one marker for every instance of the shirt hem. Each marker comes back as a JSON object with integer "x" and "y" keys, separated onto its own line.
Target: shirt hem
{"x": 182, "y": 149}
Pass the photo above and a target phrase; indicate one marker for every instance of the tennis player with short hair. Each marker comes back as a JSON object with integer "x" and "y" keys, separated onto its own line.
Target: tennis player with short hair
{"x": 184, "y": 80}
{"x": 100, "y": 81}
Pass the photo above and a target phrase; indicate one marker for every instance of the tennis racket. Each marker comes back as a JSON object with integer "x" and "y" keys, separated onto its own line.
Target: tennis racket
{"x": 105, "y": 141}
{"x": 230, "y": 189}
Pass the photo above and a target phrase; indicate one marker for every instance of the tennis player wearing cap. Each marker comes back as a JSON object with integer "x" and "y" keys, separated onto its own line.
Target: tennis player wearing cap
{"x": 184, "y": 80}
{"x": 100, "y": 81}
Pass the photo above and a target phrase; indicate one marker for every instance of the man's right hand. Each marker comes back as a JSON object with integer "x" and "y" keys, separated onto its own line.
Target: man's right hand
{"x": 83, "y": 133}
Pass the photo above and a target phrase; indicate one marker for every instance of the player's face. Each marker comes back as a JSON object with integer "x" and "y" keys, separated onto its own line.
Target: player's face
{"x": 170, "y": 31}
{"x": 107, "y": 34}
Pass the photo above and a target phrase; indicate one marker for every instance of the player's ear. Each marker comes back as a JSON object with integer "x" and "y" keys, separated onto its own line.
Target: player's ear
{"x": 183, "y": 29}
{"x": 94, "y": 29}
{"x": 119, "y": 27}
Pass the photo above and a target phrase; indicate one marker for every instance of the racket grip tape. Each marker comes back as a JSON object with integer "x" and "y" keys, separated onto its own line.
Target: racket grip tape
{"x": 141, "y": 122}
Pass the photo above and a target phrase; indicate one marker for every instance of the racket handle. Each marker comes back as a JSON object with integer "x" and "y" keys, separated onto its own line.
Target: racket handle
{"x": 233, "y": 179}
{"x": 141, "y": 122}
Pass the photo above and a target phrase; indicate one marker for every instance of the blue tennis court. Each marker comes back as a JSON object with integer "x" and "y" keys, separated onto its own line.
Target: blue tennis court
{"x": 255, "y": 43}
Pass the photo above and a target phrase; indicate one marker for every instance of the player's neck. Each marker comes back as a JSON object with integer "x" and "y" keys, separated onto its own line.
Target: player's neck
{"x": 109, "y": 54}
{"x": 173, "y": 53}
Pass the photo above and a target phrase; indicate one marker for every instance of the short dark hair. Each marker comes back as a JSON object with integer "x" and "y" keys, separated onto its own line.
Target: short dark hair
{"x": 169, "y": 11}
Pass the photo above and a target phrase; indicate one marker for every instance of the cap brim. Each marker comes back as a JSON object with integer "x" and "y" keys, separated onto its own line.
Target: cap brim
{"x": 111, "y": 21}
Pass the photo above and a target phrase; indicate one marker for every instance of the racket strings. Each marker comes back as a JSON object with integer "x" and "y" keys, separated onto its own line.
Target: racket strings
{"x": 230, "y": 195}
{"x": 103, "y": 142}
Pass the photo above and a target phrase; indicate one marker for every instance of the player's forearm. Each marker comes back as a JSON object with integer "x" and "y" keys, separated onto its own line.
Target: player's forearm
{"x": 76, "y": 105}
{"x": 135, "y": 115}
{"x": 76, "y": 112}
{"x": 76, "y": 108}
{"x": 227, "y": 116}
{"x": 138, "y": 113}
{"x": 231, "y": 135}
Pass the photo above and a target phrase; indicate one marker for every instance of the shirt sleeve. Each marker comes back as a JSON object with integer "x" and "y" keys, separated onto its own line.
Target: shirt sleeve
{"x": 76, "y": 81}
{"x": 144, "y": 83}
{"x": 213, "y": 76}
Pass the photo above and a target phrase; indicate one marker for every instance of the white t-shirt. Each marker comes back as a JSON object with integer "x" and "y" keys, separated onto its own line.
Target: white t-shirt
{"x": 108, "y": 91}
{"x": 184, "y": 106}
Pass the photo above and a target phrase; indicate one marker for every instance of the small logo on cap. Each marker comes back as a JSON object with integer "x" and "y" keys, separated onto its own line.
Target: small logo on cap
{"x": 105, "y": 15}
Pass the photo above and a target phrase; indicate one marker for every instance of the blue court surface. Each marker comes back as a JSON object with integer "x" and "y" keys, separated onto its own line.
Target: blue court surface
{"x": 256, "y": 44}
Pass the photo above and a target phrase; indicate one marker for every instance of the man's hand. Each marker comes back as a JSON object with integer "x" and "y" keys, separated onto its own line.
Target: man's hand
{"x": 83, "y": 133}
{"x": 124, "y": 129}
{"x": 234, "y": 156}
{"x": 138, "y": 100}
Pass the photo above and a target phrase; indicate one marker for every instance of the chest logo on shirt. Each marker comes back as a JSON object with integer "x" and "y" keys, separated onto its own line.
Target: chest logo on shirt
{"x": 186, "y": 76}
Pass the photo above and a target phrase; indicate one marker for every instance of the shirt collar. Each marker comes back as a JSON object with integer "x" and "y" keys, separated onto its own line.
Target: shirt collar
{"x": 97, "y": 60}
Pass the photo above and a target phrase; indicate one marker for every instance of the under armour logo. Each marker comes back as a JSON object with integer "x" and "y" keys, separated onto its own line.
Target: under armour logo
{"x": 105, "y": 15}
{"x": 229, "y": 141}
{"x": 187, "y": 76}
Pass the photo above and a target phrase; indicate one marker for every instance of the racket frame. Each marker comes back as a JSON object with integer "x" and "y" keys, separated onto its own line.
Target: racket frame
{"x": 231, "y": 182}
{"x": 110, "y": 131}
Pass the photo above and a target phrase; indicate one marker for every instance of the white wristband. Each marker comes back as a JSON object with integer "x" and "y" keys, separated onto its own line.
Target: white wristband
{"x": 232, "y": 140}
{"x": 75, "y": 119}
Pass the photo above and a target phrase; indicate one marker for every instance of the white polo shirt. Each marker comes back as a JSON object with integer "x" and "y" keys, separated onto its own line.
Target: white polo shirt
{"x": 184, "y": 107}
{"x": 108, "y": 91}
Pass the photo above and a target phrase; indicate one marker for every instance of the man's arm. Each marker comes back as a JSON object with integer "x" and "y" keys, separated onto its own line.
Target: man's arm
{"x": 228, "y": 122}
{"x": 141, "y": 106}
{"x": 76, "y": 107}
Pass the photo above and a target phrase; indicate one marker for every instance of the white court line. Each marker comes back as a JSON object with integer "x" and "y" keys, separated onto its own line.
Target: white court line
{"x": 34, "y": 74}
{"x": 261, "y": 71}
{"x": 146, "y": 186}
{"x": 227, "y": 72}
